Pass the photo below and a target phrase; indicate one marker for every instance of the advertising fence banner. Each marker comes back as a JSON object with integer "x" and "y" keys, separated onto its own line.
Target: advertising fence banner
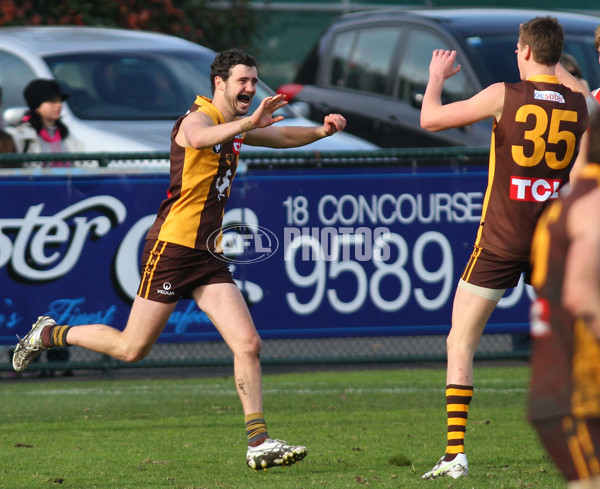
{"x": 318, "y": 252}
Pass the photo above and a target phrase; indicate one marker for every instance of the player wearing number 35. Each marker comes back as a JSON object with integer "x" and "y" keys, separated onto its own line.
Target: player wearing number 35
{"x": 182, "y": 257}
{"x": 538, "y": 126}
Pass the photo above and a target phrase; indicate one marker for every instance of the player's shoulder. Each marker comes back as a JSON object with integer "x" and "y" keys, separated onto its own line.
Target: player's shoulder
{"x": 205, "y": 115}
{"x": 494, "y": 92}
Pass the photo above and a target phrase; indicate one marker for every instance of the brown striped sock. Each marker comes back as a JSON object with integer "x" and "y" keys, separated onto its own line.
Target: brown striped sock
{"x": 55, "y": 336}
{"x": 256, "y": 429}
{"x": 458, "y": 398}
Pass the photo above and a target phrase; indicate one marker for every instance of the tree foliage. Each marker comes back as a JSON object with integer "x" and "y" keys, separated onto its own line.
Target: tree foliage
{"x": 216, "y": 24}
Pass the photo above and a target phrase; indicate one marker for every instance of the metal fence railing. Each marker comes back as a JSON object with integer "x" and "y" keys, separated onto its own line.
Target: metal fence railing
{"x": 451, "y": 156}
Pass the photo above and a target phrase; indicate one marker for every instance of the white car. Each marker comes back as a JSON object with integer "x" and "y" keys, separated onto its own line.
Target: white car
{"x": 126, "y": 87}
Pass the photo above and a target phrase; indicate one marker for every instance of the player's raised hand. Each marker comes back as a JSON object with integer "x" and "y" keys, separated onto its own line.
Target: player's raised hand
{"x": 263, "y": 115}
{"x": 442, "y": 64}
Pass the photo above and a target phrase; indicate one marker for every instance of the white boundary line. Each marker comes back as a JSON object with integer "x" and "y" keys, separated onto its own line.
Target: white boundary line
{"x": 206, "y": 390}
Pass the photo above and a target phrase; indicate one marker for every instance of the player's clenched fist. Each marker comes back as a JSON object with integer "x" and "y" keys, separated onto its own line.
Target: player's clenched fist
{"x": 334, "y": 123}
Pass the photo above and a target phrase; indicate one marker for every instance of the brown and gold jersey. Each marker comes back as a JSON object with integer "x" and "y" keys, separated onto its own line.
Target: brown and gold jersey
{"x": 565, "y": 362}
{"x": 532, "y": 151}
{"x": 192, "y": 213}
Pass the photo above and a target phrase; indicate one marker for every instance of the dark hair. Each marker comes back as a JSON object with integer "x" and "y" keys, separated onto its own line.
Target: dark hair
{"x": 36, "y": 122}
{"x": 40, "y": 90}
{"x": 545, "y": 37}
{"x": 226, "y": 60}
{"x": 593, "y": 155}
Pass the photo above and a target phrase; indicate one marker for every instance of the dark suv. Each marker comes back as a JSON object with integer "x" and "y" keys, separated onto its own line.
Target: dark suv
{"x": 373, "y": 68}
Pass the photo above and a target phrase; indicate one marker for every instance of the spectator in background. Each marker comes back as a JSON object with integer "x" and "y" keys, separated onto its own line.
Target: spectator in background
{"x": 7, "y": 143}
{"x": 572, "y": 66}
{"x": 41, "y": 130}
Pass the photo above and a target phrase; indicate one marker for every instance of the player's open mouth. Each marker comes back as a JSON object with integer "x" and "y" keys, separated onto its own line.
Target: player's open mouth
{"x": 244, "y": 99}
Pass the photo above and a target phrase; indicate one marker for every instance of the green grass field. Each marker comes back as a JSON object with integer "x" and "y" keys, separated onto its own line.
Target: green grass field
{"x": 368, "y": 428}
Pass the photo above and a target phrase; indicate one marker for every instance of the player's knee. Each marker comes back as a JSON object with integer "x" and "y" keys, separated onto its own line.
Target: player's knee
{"x": 452, "y": 343}
{"x": 251, "y": 346}
{"x": 256, "y": 345}
{"x": 460, "y": 346}
{"x": 135, "y": 354}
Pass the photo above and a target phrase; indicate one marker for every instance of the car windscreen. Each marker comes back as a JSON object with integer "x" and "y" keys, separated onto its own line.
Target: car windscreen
{"x": 134, "y": 85}
{"x": 495, "y": 59}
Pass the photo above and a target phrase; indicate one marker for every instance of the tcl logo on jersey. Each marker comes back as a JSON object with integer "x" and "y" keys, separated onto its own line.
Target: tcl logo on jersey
{"x": 237, "y": 144}
{"x": 533, "y": 189}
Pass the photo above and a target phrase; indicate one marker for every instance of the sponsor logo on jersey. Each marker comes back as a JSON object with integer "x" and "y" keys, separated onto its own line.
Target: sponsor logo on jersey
{"x": 549, "y": 95}
{"x": 533, "y": 189}
{"x": 237, "y": 144}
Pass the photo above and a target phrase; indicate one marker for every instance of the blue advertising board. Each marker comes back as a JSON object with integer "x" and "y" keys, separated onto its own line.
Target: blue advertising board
{"x": 369, "y": 251}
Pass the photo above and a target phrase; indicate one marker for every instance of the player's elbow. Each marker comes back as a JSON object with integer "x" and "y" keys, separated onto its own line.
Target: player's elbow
{"x": 429, "y": 123}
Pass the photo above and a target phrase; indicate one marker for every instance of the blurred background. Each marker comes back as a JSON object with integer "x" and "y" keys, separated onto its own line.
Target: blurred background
{"x": 280, "y": 33}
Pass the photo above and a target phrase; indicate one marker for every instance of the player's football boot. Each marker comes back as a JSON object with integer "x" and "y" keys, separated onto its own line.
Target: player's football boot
{"x": 274, "y": 453}
{"x": 31, "y": 346}
{"x": 459, "y": 467}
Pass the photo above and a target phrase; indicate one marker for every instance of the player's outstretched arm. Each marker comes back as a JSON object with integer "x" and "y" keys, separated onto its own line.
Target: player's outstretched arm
{"x": 294, "y": 136}
{"x": 199, "y": 131}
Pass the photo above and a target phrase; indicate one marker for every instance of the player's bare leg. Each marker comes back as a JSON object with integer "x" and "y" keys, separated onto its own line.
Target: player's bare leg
{"x": 146, "y": 321}
{"x": 225, "y": 306}
{"x": 470, "y": 314}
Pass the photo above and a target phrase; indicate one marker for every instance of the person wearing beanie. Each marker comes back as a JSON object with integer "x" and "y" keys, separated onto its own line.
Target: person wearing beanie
{"x": 41, "y": 130}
